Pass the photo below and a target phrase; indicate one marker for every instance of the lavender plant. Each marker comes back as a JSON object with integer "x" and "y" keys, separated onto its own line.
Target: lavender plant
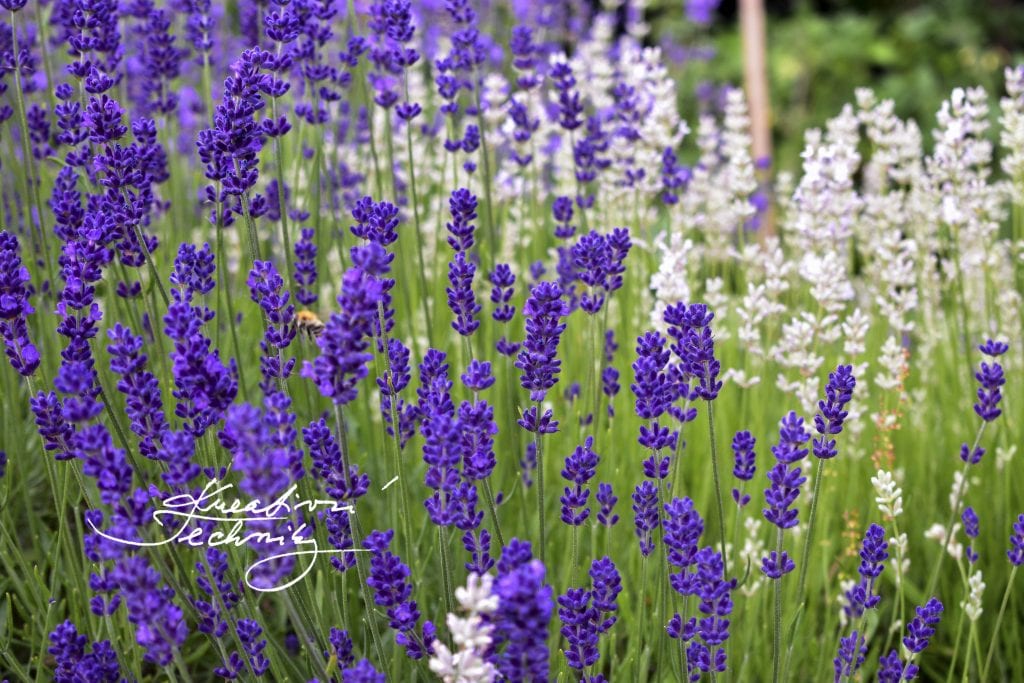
{"x": 250, "y": 321}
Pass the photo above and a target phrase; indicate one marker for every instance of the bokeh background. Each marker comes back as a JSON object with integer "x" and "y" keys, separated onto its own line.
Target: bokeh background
{"x": 819, "y": 51}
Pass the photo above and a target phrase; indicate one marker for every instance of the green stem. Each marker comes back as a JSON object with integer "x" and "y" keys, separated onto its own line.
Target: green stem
{"x": 357, "y": 536}
{"x": 250, "y": 224}
{"x": 425, "y": 294}
{"x": 540, "y": 490}
{"x": 972, "y": 631}
{"x": 810, "y": 530}
{"x": 956, "y": 648}
{"x": 492, "y": 509}
{"x": 492, "y": 234}
{"x": 285, "y": 238}
{"x": 777, "y": 631}
{"x": 446, "y": 571}
{"x": 999, "y": 621}
{"x": 32, "y": 180}
{"x": 958, "y": 498}
{"x": 718, "y": 487}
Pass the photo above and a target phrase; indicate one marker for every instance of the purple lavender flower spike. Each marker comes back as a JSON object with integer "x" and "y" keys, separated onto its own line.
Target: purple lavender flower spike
{"x": 991, "y": 378}
{"x": 570, "y": 107}
{"x": 873, "y": 554}
{"x": 460, "y": 230}
{"x": 143, "y": 403}
{"x": 159, "y": 625}
{"x": 969, "y": 456}
{"x": 53, "y": 428}
{"x": 478, "y": 545}
{"x": 580, "y": 468}
{"x": 442, "y": 452}
{"x": 398, "y": 378}
{"x": 852, "y": 649}
{"x": 593, "y": 262}
{"x": 344, "y": 342}
{"x": 503, "y": 281}
{"x": 683, "y": 528}
{"x": 434, "y": 390}
{"x": 646, "y": 518}
{"x": 73, "y": 664}
{"x": 786, "y": 482}
{"x": 265, "y": 286}
{"x": 892, "y": 670}
{"x": 607, "y": 585}
{"x": 971, "y": 530}
{"x": 521, "y": 622}
{"x": 249, "y": 632}
{"x": 562, "y": 211}
{"x": 461, "y": 299}
{"x": 219, "y": 591}
{"x": 743, "y": 449}
{"x": 305, "y": 274}
{"x": 230, "y": 150}
{"x": 829, "y": 421}
{"x": 262, "y": 446}
{"x": 15, "y": 307}
{"x": 690, "y": 326}
{"x": 478, "y": 428}
{"x": 701, "y": 12}
{"x": 363, "y": 672}
{"x": 578, "y": 628}
{"x": 478, "y": 376}
{"x": 994, "y": 349}
{"x": 714, "y": 591}
{"x": 775, "y": 566}
{"x": 1016, "y": 551}
{"x": 653, "y": 391}
{"x": 922, "y": 627}
{"x": 329, "y": 466}
{"x": 341, "y": 647}
{"x": 389, "y": 579}
{"x": 538, "y": 358}
{"x": 161, "y": 63}
{"x": 606, "y": 497}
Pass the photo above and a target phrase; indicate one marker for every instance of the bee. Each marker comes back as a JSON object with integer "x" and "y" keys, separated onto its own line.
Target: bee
{"x": 308, "y": 323}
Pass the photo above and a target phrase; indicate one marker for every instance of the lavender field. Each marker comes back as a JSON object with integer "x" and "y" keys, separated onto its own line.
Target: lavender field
{"x": 464, "y": 341}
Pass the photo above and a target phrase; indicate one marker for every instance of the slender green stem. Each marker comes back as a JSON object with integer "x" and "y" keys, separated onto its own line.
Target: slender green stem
{"x": 953, "y": 514}
{"x": 492, "y": 233}
{"x": 642, "y": 622}
{"x": 32, "y": 180}
{"x": 357, "y": 535}
{"x": 805, "y": 555}
{"x": 972, "y": 632}
{"x": 492, "y": 509}
{"x": 425, "y": 294}
{"x": 575, "y": 554}
{"x": 403, "y": 504}
{"x": 286, "y": 242}
{"x": 718, "y": 487}
{"x": 777, "y": 630}
{"x": 540, "y": 490}
{"x": 956, "y": 648}
{"x": 446, "y": 571}
{"x": 250, "y": 224}
{"x": 999, "y": 621}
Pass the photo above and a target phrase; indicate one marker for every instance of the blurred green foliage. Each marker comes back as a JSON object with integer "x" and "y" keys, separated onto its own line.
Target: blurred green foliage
{"x": 818, "y": 52}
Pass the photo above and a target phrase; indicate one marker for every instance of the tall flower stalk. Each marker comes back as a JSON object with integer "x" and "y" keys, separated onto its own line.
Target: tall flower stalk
{"x": 785, "y": 485}
{"x": 540, "y": 366}
{"x": 990, "y": 379}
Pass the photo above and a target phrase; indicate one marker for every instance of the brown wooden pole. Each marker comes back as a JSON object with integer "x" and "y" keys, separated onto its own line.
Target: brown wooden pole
{"x": 755, "y": 77}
